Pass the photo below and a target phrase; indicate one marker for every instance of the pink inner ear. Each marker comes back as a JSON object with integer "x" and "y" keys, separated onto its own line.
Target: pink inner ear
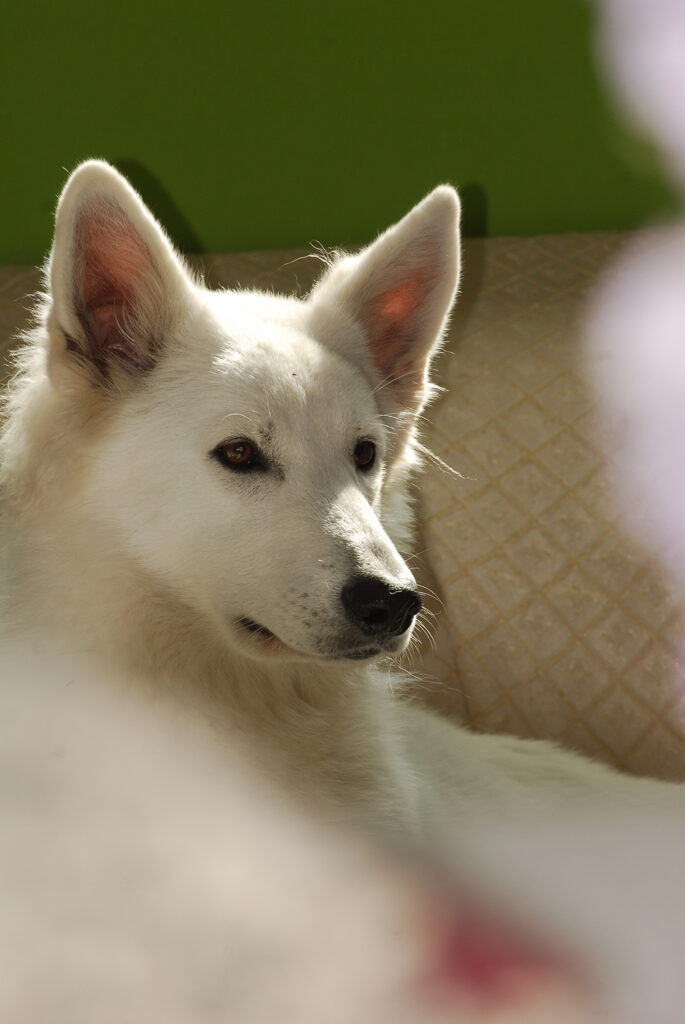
{"x": 397, "y": 303}
{"x": 115, "y": 267}
{"x": 394, "y": 322}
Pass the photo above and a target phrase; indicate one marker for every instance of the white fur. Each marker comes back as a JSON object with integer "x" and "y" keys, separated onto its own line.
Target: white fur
{"x": 129, "y": 540}
{"x": 145, "y": 876}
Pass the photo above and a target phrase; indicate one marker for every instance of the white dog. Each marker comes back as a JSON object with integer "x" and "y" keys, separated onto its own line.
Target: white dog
{"x": 209, "y": 490}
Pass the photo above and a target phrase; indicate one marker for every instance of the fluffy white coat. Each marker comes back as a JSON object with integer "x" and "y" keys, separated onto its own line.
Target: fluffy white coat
{"x": 131, "y": 536}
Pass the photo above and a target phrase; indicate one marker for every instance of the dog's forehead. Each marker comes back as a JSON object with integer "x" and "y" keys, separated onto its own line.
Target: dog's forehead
{"x": 267, "y": 358}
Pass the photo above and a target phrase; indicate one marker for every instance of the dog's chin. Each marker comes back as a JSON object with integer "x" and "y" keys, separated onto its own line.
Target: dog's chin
{"x": 262, "y": 644}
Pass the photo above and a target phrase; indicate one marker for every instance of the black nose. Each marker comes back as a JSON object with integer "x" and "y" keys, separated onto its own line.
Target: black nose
{"x": 377, "y": 608}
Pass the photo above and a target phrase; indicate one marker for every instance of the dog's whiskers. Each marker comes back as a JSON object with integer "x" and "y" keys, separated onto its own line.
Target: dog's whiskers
{"x": 427, "y": 592}
{"x": 422, "y": 629}
{"x": 440, "y": 463}
{"x": 243, "y": 415}
{"x": 425, "y": 683}
{"x": 392, "y": 379}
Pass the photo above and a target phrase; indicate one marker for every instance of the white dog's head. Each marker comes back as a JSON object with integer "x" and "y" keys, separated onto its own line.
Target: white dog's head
{"x": 243, "y": 445}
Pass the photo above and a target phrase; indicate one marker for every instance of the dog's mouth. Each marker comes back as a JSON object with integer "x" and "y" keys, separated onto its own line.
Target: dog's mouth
{"x": 261, "y": 640}
{"x": 256, "y": 628}
{"x": 270, "y": 644}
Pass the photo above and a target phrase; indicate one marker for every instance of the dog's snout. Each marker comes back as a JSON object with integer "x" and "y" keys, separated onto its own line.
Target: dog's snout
{"x": 379, "y": 609}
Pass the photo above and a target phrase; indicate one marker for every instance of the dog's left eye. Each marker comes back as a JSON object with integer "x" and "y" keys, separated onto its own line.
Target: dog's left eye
{"x": 365, "y": 454}
{"x": 239, "y": 454}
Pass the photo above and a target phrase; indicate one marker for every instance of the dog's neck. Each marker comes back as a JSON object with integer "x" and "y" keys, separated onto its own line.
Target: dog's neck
{"x": 316, "y": 723}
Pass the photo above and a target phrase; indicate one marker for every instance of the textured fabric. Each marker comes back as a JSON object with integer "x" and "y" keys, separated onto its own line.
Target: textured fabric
{"x": 560, "y": 627}
{"x": 551, "y": 623}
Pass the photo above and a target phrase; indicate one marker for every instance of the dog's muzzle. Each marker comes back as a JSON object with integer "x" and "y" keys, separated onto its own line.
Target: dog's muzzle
{"x": 378, "y": 609}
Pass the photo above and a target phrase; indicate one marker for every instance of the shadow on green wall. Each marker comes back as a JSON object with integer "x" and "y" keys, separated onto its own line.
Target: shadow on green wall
{"x": 474, "y": 210}
{"x": 474, "y": 207}
{"x": 156, "y": 196}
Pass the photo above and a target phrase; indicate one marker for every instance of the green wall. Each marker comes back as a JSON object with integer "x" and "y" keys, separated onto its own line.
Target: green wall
{"x": 272, "y": 124}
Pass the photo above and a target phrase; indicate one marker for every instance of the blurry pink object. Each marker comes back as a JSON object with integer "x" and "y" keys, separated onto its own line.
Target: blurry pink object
{"x": 642, "y": 47}
{"x": 637, "y": 363}
{"x": 636, "y": 331}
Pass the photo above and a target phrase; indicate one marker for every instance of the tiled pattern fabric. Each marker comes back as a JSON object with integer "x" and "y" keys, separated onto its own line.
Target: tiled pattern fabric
{"x": 558, "y": 625}
{"x": 551, "y": 623}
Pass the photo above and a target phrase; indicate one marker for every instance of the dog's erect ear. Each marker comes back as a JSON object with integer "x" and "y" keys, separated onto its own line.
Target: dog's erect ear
{"x": 115, "y": 280}
{"x": 399, "y": 290}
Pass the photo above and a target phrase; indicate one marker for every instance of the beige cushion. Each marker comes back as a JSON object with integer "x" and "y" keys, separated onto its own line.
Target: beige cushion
{"x": 559, "y": 626}
{"x": 552, "y": 623}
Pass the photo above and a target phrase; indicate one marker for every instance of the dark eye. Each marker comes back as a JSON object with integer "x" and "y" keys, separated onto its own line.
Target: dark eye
{"x": 365, "y": 454}
{"x": 239, "y": 454}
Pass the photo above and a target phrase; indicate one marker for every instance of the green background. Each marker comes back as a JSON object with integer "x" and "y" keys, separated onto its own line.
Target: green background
{"x": 271, "y": 124}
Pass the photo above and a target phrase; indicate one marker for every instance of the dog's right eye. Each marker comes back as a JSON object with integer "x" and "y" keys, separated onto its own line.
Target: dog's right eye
{"x": 239, "y": 454}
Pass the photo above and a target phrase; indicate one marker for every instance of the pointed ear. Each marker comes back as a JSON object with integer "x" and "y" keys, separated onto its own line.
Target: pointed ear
{"x": 399, "y": 291}
{"x": 115, "y": 281}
